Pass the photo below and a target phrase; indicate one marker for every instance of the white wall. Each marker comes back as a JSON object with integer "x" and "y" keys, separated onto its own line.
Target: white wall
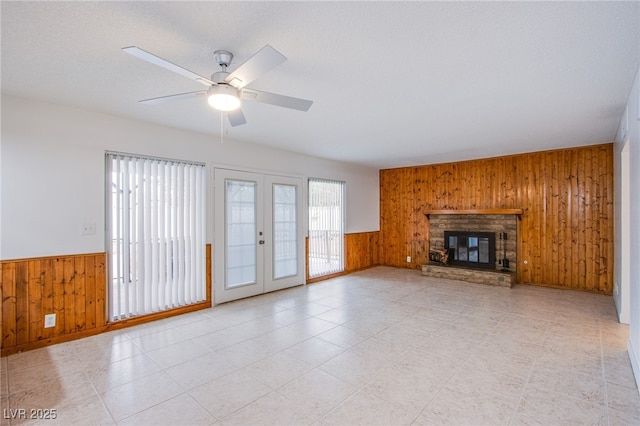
{"x": 622, "y": 219}
{"x": 630, "y": 125}
{"x": 52, "y": 174}
{"x": 622, "y": 222}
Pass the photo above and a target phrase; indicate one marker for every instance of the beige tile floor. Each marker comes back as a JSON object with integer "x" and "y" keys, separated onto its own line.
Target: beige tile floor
{"x": 384, "y": 346}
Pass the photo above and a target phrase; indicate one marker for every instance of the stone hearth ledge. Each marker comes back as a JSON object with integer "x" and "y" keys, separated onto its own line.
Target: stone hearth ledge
{"x": 489, "y": 277}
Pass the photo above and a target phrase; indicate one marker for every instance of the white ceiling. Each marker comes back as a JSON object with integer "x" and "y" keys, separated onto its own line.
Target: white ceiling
{"x": 393, "y": 83}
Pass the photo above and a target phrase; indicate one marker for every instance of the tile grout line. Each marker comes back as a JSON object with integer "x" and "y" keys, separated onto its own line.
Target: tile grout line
{"x": 387, "y": 296}
{"x": 102, "y": 401}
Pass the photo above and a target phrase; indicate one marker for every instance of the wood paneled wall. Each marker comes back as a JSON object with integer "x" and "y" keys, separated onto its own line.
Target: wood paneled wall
{"x": 74, "y": 288}
{"x": 361, "y": 251}
{"x": 566, "y": 230}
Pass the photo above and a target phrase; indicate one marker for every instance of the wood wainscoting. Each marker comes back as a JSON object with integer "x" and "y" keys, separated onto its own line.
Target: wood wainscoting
{"x": 566, "y": 197}
{"x": 360, "y": 251}
{"x": 74, "y": 288}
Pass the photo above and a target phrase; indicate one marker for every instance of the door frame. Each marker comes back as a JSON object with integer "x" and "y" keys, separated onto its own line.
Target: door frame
{"x": 264, "y": 283}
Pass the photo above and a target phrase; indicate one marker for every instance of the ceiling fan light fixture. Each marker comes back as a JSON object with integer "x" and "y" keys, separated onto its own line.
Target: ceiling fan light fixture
{"x": 224, "y": 97}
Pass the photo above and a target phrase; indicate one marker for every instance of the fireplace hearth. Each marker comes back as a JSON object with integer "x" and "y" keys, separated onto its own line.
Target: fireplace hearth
{"x": 471, "y": 249}
{"x": 497, "y": 267}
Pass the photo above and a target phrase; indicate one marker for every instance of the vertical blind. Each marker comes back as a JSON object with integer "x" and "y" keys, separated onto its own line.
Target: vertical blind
{"x": 155, "y": 234}
{"x": 326, "y": 227}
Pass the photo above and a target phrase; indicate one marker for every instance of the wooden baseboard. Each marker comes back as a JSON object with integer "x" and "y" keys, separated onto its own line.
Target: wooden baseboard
{"x": 337, "y": 274}
{"x": 71, "y": 286}
{"x": 116, "y": 325}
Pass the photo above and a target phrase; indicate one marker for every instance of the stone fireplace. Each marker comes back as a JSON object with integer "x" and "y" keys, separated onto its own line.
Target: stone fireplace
{"x": 481, "y": 246}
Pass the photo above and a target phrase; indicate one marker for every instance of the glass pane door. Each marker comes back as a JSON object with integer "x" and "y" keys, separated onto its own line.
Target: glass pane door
{"x": 258, "y": 245}
{"x": 284, "y": 249}
{"x": 285, "y": 236}
{"x": 240, "y": 232}
{"x": 238, "y": 257}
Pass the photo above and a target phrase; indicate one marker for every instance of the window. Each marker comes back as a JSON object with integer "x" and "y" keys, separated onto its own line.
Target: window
{"x": 326, "y": 227}
{"x": 155, "y": 234}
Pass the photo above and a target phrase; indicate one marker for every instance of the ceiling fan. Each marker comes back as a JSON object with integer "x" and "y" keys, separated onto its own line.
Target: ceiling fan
{"x": 225, "y": 89}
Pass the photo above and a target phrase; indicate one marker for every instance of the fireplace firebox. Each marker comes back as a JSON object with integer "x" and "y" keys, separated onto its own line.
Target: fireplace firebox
{"x": 471, "y": 249}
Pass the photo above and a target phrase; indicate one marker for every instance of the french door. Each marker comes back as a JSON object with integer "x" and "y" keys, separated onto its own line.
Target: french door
{"x": 258, "y": 244}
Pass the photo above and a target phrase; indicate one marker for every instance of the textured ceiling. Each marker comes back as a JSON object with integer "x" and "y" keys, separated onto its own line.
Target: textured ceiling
{"x": 393, "y": 83}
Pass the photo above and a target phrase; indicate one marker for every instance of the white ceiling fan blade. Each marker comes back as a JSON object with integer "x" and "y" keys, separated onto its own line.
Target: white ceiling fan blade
{"x": 236, "y": 117}
{"x": 156, "y": 60}
{"x": 278, "y": 100}
{"x": 178, "y": 97}
{"x": 264, "y": 60}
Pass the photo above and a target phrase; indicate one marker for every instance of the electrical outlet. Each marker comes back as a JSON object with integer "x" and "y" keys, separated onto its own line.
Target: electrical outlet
{"x": 408, "y": 259}
{"x": 88, "y": 229}
{"x": 49, "y": 320}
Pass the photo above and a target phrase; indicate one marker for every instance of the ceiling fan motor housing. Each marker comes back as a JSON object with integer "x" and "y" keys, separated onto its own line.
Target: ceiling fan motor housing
{"x": 218, "y": 77}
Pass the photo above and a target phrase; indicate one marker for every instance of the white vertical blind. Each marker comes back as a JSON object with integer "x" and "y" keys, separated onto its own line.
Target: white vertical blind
{"x": 155, "y": 233}
{"x": 326, "y": 227}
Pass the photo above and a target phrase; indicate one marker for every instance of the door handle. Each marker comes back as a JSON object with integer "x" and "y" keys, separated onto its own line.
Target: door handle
{"x": 261, "y": 242}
